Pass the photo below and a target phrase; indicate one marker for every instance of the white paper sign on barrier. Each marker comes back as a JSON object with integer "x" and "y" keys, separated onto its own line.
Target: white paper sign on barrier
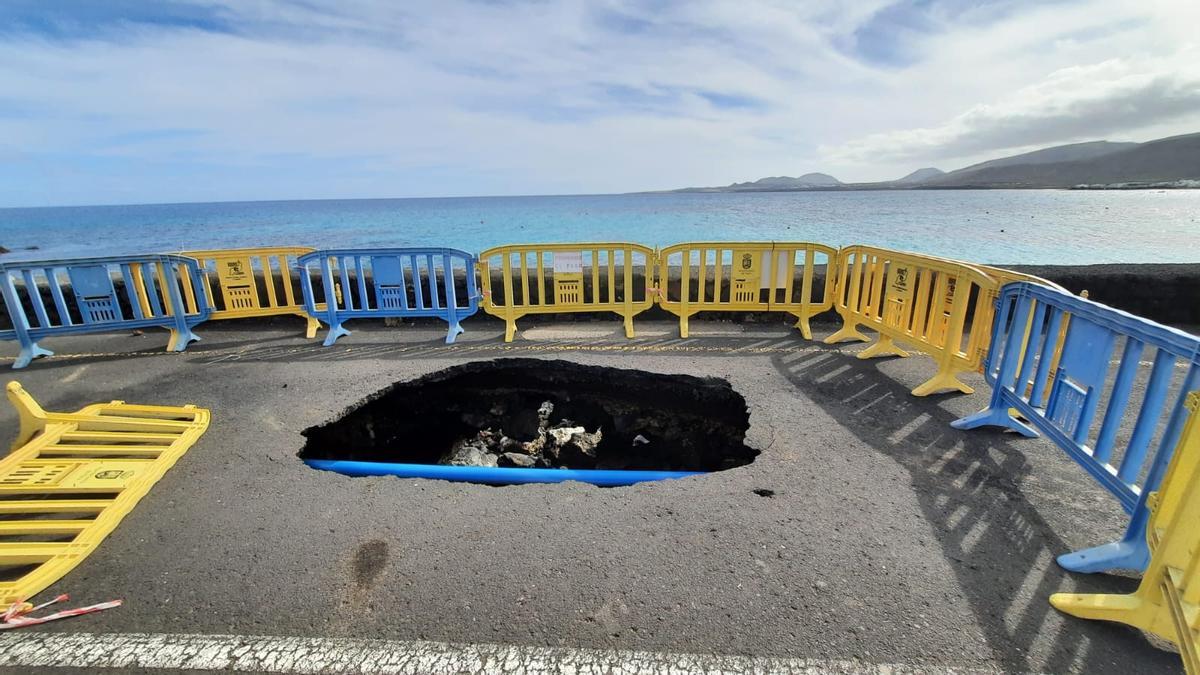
{"x": 568, "y": 262}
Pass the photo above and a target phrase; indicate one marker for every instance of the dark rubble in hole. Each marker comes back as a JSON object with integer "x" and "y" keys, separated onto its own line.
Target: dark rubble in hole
{"x": 544, "y": 413}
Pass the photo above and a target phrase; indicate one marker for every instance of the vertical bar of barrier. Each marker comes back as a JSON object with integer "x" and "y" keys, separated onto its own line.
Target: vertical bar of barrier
{"x": 269, "y": 279}
{"x": 434, "y": 300}
{"x": 404, "y": 283}
{"x": 609, "y": 256}
{"x": 60, "y": 303}
{"x": 152, "y": 291}
{"x": 510, "y": 327}
{"x": 451, "y": 299}
{"x": 1043, "y": 375}
{"x": 331, "y": 302}
{"x": 685, "y": 284}
{"x": 524, "y": 256}
{"x": 1039, "y": 314}
{"x": 35, "y": 298}
{"x": 360, "y": 279}
{"x": 285, "y": 271}
{"x": 541, "y": 279}
{"x": 139, "y": 282}
{"x": 596, "y": 297}
{"x": 130, "y": 293}
{"x": 1118, "y": 400}
{"x": 1147, "y": 420}
{"x": 718, "y": 271}
{"x": 627, "y": 287}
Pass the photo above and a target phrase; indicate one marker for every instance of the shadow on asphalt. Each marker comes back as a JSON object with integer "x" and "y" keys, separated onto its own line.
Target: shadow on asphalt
{"x": 968, "y": 486}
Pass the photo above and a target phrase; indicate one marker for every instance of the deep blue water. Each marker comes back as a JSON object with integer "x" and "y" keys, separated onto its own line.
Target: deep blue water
{"x": 996, "y": 226}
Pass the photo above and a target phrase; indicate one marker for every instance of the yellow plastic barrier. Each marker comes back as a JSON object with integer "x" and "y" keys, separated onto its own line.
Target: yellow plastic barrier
{"x": 758, "y": 277}
{"x": 72, "y": 477}
{"x": 1167, "y": 601}
{"x": 609, "y": 267}
{"x": 919, "y": 300}
{"x": 229, "y": 274}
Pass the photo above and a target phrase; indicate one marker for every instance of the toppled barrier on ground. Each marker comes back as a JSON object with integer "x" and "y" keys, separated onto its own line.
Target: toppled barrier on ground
{"x": 544, "y": 414}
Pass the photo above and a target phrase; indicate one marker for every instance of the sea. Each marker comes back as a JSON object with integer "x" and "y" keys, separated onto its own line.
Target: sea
{"x": 1070, "y": 227}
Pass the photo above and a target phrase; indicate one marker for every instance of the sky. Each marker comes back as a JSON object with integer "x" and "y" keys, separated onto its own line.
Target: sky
{"x": 121, "y": 102}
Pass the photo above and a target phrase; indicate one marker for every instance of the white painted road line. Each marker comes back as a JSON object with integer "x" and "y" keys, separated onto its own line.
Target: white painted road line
{"x": 329, "y": 656}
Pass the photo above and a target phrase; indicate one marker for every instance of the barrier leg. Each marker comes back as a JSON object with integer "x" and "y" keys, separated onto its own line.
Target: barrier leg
{"x": 629, "y": 325}
{"x": 310, "y": 331}
{"x": 31, "y": 417}
{"x": 995, "y": 416}
{"x": 454, "y": 331}
{"x": 944, "y": 380}
{"x": 510, "y": 329}
{"x": 882, "y": 347}
{"x": 29, "y": 352}
{"x": 848, "y": 332}
{"x": 181, "y": 338}
{"x": 1131, "y": 609}
{"x": 683, "y": 325}
{"x": 1131, "y": 553}
{"x": 802, "y": 324}
{"x": 335, "y": 331}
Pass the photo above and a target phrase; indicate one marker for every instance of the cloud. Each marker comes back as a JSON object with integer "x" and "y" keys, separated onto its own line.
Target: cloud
{"x": 275, "y": 99}
{"x": 1076, "y": 103}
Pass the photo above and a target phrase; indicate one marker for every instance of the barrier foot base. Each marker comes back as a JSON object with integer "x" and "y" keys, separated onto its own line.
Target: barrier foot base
{"x": 29, "y": 353}
{"x": 805, "y": 329}
{"x": 453, "y": 333}
{"x": 310, "y": 331}
{"x": 995, "y": 417}
{"x": 180, "y": 340}
{"x": 629, "y": 327}
{"x": 335, "y": 331}
{"x": 883, "y": 347}
{"x": 1101, "y": 606}
{"x": 1127, "y": 554}
{"x": 940, "y": 383}
{"x": 846, "y": 333}
{"x": 683, "y": 327}
{"x": 510, "y": 331}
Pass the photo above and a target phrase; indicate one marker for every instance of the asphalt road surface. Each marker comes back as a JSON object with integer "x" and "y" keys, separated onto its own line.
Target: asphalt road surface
{"x": 888, "y": 542}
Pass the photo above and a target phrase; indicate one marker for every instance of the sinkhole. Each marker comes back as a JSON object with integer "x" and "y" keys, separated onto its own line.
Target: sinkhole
{"x": 513, "y": 421}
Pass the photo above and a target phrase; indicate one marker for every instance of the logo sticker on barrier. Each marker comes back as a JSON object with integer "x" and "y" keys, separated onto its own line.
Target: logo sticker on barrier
{"x": 747, "y": 276}
{"x": 900, "y": 293}
{"x": 236, "y": 285}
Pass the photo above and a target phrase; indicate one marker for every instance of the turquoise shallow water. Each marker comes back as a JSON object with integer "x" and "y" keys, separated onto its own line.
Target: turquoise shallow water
{"x": 996, "y": 226}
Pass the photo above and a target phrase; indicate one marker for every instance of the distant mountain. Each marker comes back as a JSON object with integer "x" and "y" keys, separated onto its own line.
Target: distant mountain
{"x": 775, "y": 184}
{"x": 1074, "y": 152}
{"x": 1162, "y": 161}
{"x": 920, "y": 176}
{"x": 1170, "y": 162}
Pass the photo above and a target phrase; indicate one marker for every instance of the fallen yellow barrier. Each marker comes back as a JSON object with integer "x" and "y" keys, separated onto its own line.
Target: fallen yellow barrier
{"x": 76, "y": 475}
{"x": 746, "y": 277}
{"x": 1167, "y": 601}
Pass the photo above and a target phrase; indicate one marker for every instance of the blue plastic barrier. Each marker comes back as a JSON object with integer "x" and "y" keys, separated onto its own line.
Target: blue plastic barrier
{"x": 158, "y": 290}
{"x": 389, "y": 282}
{"x": 492, "y": 475}
{"x": 1064, "y": 404}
